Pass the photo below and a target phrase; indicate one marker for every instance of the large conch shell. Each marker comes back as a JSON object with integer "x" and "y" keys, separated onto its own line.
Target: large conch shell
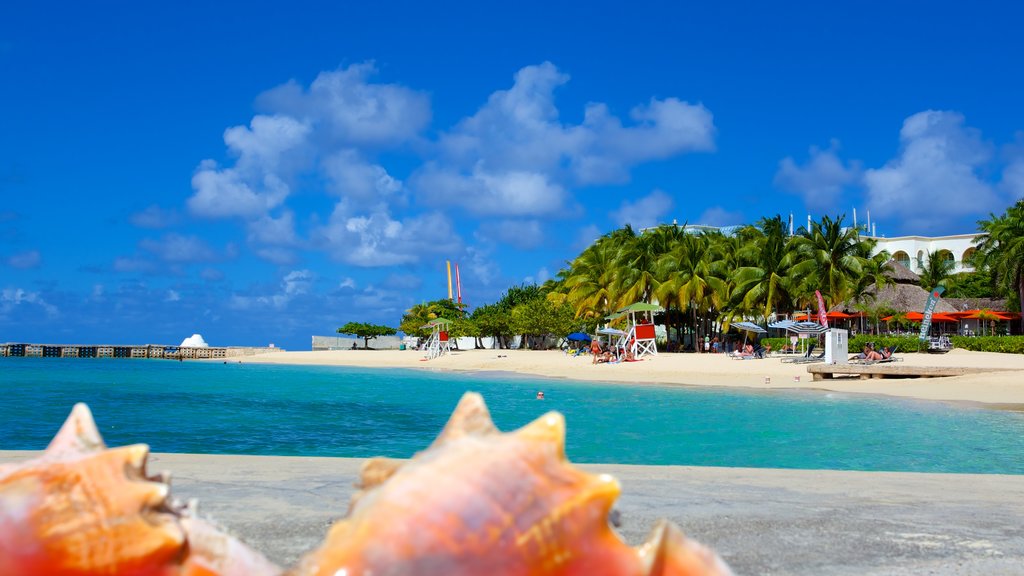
{"x": 81, "y": 508}
{"x": 479, "y": 502}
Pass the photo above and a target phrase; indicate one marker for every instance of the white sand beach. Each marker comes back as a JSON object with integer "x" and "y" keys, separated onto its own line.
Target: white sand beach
{"x": 1005, "y": 389}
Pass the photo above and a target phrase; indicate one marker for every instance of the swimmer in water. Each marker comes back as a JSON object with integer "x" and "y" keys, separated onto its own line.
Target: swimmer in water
{"x": 540, "y": 395}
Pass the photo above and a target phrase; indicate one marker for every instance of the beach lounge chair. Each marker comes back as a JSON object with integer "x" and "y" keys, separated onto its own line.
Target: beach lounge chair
{"x": 805, "y": 358}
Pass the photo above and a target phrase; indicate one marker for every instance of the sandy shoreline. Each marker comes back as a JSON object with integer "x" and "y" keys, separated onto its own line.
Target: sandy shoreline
{"x": 762, "y": 521}
{"x": 995, "y": 390}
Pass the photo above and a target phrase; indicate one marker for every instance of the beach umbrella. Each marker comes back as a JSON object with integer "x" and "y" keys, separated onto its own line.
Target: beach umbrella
{"x": 749, "y": 327}
{"x": 611, "y": 331}
{"x": 578, "y": 337}
{"x": 781, "y": 324}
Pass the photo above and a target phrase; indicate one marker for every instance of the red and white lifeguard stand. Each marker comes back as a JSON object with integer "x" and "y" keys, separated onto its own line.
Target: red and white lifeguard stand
{"x": 640, "y": 334}
{"x": 438, "y": 343}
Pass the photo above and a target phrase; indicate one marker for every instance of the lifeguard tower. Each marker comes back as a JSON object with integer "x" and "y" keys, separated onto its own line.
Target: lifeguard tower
{"x": 437, "y": 344}
{"x": 640, "y": 334}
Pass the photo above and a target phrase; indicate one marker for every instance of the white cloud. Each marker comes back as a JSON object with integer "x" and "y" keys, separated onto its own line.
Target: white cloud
{"x": 211, "y": 275}
{"x": 515, "y": 193}
{"x": 935, "y": 178}
{"x": 586, "y": 236}
{"x": 134, "y": 264}
{"x": 154, "y": 217}
{"x": 1013, "y": 174}
{"x": 180, "y": 249}
{"x": 514, "y": 156}
{"x": 293, "y": 285}
{"x": 224, "y": 193}
{"x": 821, "y": 180}
{"x": 269, "y": 151}
{"x": 297, "y": 282}
{"x": 718, "y": 216}
{"x": 540, "y": 277}
{"x": 376, "y": 239}
{"x": 25, "y": 260}
{"x": 11, "y": 298}
{"x": 346, "y": 108}
{"x": 274, "y": 231}
{"x": 350, "y": 176}
{"x": 347, "y": 283}
{"x": 524, "y": 234}
{"x": 264, "y": 146}
{"x": 480, "y": 266}
{"x": 173, "y": 296}
{"x": 645, "y": 211}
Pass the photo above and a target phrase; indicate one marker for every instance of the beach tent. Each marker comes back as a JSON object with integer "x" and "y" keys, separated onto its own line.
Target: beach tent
{"x": 437, "y": 343}
{"x": 640, "y": 335}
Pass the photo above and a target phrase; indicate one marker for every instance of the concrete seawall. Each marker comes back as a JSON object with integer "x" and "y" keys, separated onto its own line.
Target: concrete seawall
{"x": 761, "y": 521}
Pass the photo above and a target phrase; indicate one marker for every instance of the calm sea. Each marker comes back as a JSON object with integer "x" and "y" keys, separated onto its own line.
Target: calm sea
{"x": 326, "y": 411}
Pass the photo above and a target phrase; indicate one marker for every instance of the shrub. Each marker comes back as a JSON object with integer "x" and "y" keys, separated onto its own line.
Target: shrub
{"x": 1005, "y": 344}
{"x": 905, "y": 344}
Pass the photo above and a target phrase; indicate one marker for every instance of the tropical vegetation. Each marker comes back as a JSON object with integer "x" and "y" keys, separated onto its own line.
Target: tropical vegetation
{"x": 366, "y": 331}
{"x": 1001, "y": 251}
{"x": 706, "y": 279}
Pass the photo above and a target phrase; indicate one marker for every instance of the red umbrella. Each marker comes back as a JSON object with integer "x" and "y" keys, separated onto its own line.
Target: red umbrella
{"x": 987, "y": 315}
{"x": 837, "y": 315}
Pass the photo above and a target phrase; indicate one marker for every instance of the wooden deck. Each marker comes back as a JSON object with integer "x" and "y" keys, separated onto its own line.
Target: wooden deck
{"x": 891, "y": 370}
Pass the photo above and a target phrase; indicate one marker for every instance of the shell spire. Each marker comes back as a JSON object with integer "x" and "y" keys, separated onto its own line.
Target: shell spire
{"x": 81, "y": 508}
{"x": 480, "y": 501}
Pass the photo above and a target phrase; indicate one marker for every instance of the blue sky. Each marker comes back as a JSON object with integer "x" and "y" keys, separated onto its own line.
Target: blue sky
{"x": 263, "y": 172}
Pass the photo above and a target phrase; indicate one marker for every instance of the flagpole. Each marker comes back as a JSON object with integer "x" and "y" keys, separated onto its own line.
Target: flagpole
{"x": 449, "y": 264}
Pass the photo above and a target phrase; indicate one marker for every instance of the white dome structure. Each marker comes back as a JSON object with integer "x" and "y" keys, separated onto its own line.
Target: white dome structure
{"x": 194, "y": 341}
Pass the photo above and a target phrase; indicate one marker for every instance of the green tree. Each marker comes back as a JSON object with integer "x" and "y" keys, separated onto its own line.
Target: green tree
{"x": 829, "y": 258}
{"x": 764, "y": 281}
{"x": 366, "y": 331}
{"x": 1001, "y": 251}
{"x": 419, "y": 314}
{"x": 591, "y": 280}
{"x": 977, "y": 284}
{"x": 935, "y": 271}
{"x": 695, "y": 280}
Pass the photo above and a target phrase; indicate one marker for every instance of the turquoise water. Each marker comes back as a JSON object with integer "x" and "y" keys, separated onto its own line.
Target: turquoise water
{"x": 326, "y": 411}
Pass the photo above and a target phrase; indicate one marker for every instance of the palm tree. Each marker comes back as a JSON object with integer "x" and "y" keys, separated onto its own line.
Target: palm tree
{"x": 637, "y": 264}
{"x": 591, "y": 280}
{"x": 1001, "y": 250}
{"x": 936, "y": 271}
{"x": 695, "y": 279}
{"x": 828, "y": 257}
{"x": 763, "y": 281}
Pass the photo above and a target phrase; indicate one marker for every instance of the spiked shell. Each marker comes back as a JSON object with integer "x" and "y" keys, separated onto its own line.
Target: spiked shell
{"x": 81, "y": 508}
{"x": 481, "y": 502}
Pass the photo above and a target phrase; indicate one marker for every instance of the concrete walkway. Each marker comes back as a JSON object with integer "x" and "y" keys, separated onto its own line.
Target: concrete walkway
{"x": 760, "y": 521}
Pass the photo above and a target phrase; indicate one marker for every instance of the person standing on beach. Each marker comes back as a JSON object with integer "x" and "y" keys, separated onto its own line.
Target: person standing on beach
{"x": 595, "y": 350}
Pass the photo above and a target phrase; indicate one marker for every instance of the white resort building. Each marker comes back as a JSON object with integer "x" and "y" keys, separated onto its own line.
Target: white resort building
{"x": 912, "y": 251}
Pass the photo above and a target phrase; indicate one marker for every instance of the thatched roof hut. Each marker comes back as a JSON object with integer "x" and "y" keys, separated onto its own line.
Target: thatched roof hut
{"x": 901, "y": 298}
{"x": 908, "y": 298}
{"x": 994, "y": 304}
{"x": 900, "y": 273}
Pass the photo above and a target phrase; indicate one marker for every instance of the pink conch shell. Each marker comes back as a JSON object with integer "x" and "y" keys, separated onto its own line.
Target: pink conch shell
{"x": 81, "y": 508}
{"x": 479, "y": 502}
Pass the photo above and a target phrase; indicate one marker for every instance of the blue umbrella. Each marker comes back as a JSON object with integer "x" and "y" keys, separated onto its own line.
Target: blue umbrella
{"x": 578, "y": 336}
